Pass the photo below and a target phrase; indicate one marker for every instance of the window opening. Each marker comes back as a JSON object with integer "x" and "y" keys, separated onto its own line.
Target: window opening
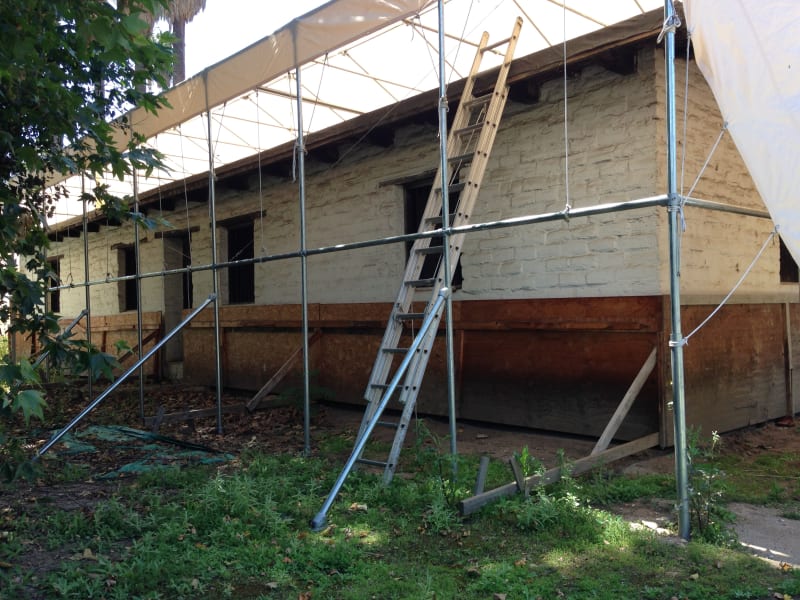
{"x": 416, "y": 198}
{"x": 128, "y": 297}
{"x": 54, "y": 280}
{"x": 788, "y": 267}
{"x": 241, "y": 278}
{"x": 186, "y": 262}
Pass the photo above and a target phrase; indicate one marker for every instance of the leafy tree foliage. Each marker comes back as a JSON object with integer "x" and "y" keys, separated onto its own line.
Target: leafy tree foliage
{"x": 69, "y": 70}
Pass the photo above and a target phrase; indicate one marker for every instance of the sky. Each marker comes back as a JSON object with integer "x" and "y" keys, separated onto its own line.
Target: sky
{"x": 227, "y": 26}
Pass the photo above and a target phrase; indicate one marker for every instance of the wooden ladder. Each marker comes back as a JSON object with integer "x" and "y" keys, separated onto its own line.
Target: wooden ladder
{"x": 469, "y": 145}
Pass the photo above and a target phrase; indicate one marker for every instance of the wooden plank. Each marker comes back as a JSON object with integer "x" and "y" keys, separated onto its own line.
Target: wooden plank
{"x": 470, "y": 505}
{"x": 483, "y": 469}
{"x": 281, "y": 373}
{"x": 788, "y": 361}
{"x": 626, "y": 403}
{"x": 145, "y": 340}
{"x": 519, "y": 476}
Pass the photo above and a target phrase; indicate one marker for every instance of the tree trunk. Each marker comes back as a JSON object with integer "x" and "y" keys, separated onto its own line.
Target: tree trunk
{"x": 179, "y": 69}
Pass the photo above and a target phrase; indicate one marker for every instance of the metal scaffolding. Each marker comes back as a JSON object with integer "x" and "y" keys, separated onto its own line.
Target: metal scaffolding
{"x": 671, "y": 200}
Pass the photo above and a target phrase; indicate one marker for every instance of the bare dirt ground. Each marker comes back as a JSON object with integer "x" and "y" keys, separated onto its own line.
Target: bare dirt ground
{"x": 760, "y": 529}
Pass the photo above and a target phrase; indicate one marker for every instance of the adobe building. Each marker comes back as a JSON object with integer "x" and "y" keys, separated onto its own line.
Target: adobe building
{"x": 552, "y": 320}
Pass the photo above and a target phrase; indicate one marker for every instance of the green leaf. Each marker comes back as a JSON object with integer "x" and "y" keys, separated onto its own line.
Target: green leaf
{"x": 31, "y": 403}
{"x": 134, "y": 24}
{"x": 28, "y": 374}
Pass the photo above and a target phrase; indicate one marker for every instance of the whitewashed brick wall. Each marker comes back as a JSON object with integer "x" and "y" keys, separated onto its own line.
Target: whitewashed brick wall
{"x": 716, "y": 247}
{"x": 616, "y": 153}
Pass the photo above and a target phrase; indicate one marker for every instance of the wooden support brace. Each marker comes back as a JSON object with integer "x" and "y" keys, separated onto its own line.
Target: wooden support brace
{"x": 483, "y": 469}
{"x": 146, "y": 340}
{"x": 519, "y": 476}
{"x": 626, "y": 403}
{"x": 281, "y": 373}
{"x": 470, "y": 505}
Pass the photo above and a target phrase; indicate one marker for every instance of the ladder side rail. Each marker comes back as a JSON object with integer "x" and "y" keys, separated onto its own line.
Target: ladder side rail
{"x": 319, "y": 520}
{"x": 419, "y": 365}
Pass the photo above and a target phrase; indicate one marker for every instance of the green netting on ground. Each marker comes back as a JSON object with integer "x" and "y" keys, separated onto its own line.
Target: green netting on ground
{"x": 142, "y": 450}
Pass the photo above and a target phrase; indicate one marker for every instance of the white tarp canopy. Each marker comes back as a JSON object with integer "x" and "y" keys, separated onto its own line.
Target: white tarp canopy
{"x": 749, "y": 52}
{"x": 355, "y": 56}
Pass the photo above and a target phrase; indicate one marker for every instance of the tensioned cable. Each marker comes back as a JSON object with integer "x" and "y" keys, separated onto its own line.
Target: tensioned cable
{"x": 186, "y": 195}
{"x": 568, "y": 204}
{"x": 260, "y": 181}
{"x": 682, "y": 203}
{"x": 722, "y": 131}
{"x": 460, "y": 43}
{"x": 685, "y": 108}
{"x": 296, "y": 147}
{"x": 160, "y": 198}
{"x": 685, "y": 339}
{"x": 532, "y": 22}
{"x": 316, "y": 96}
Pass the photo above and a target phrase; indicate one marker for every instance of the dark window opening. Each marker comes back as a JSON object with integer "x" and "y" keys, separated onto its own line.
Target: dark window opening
{"x": 788, "y": 266}
{"x": 416, "y": 198}
{"x": 129, "y": 298}
{"x": 186, "y": 261}
{"x": 241, "y": 278}
{"x": 54, "y": 280}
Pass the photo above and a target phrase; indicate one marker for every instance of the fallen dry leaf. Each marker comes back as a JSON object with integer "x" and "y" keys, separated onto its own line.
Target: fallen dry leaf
{"x": 694, "y": 576}
{"x": 357, "y": 507}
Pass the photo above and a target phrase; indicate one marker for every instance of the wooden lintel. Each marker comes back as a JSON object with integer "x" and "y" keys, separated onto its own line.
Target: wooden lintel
{"x": 281, "y": 373}
{"x": 470, "y": 505}
{"x": 625, "y": 404}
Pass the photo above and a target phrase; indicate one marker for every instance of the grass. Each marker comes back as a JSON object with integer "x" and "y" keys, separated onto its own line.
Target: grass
{"x": 241, "y": 531}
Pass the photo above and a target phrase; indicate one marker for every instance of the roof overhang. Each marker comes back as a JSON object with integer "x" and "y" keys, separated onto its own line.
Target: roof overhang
{"x": 362, "y": 63}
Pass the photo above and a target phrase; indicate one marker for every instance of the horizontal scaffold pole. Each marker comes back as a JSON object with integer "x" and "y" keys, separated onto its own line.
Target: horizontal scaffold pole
{"x": 573, "y": 213}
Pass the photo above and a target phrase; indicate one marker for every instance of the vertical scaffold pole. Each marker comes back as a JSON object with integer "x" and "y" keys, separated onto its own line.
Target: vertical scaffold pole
{"x": 212, "y": 210}
{"x": 301, "y": 176}
{"x": 138, "y": 265}
{"x": 86, "y": 288}
{"x": 448, "y": 318}
{"x": 676, "y": 338}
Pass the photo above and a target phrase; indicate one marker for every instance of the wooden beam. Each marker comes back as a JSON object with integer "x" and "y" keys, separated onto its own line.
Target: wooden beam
{"x": 626, "y": 403}
{"x": 470, "y": 505}
{"x": 281, "y": 373}
{"x": 128, "y": 353}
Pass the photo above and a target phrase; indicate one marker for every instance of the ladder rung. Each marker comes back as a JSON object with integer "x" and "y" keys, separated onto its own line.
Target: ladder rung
{"x": 394, "y": 350}
{"x": 496, "y": 45}
{"x": 478, "y": 101}
{"x": 374, "y": 463}
{"x": 430, "y": 250}
{"x": 461, "y": 157}
{"x": 417, "y": 283}
{"x": 437, "y": 220}
{"x": 389, "y": 424}
{"x": 409, "y": 316}
{"x": 379, "y": 386}
{"x": 456, "y": 187}
{"x": 469, "y": 129}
